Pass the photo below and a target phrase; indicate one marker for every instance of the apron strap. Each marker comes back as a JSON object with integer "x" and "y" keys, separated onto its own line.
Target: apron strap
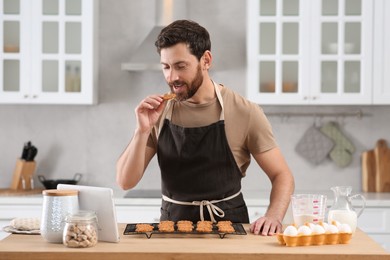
{"x": 219, "y": 96}
{"x": 213, "y": 209}
{"x": 164, "y": 115}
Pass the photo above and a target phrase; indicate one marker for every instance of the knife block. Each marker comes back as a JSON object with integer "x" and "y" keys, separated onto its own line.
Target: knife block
{"x": 23, "y": 172}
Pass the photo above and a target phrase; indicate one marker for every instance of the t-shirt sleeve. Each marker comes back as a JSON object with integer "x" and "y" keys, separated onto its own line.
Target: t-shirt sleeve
{"x": 260, "y": 137}
{"x": 152, "y": 140}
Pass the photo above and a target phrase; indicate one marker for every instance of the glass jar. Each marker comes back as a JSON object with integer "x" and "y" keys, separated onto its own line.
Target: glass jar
{"x": 81, "y": 229}
{"x": 57, "y": 204}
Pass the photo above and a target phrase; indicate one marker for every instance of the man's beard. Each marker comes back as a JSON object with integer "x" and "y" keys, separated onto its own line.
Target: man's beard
{"x": 191, "y": 87}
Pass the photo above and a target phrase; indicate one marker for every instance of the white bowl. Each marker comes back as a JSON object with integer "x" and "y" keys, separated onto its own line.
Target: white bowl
{"x": 333, "y": 47}
{"x": 348, "y": 47}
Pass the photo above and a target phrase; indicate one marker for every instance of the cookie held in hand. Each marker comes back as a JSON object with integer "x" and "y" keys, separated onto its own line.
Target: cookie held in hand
{"x": 169, "y": 96}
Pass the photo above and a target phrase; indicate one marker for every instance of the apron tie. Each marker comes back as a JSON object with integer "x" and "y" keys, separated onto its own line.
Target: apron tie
{"x": 212, "y": 209}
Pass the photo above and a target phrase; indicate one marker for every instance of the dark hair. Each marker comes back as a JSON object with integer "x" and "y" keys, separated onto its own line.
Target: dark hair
{"x": 191, "y": 33}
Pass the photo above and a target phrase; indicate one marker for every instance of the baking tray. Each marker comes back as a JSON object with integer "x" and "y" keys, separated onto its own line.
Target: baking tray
{"x": 130, "y": 230}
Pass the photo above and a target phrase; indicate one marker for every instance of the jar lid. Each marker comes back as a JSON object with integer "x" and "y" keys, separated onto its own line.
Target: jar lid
{"x": 82, "y": 215}
{"x": 60, "y": 192}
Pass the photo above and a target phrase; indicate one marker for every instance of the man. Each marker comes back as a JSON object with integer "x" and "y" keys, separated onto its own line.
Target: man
{"x": 203, "y": 139}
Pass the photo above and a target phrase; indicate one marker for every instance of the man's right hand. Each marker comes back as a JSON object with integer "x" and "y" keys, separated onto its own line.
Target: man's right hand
{"x": 148, "y": 111}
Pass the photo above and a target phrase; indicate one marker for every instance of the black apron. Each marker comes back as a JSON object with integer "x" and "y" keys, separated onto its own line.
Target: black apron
{"x": 198, "y": 167}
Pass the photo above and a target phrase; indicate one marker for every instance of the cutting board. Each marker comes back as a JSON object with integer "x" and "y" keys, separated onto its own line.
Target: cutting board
{"x": 12, "y": 192}
{"x": 368, "y": 171}
{"x": 382, "y": 159}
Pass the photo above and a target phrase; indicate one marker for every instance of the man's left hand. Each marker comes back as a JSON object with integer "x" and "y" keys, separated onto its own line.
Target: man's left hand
{"x": 266, "y": 226}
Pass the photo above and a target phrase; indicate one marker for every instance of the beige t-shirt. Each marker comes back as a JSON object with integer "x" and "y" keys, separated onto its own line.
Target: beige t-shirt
{"x": 247, "y": 128}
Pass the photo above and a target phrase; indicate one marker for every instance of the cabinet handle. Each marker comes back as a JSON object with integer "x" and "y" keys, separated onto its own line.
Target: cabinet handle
{"x": 35, "y": 96}
{"x": 314, "y": 98}
{"x": 305, "y": 98}
{"x": 25, "y": 96}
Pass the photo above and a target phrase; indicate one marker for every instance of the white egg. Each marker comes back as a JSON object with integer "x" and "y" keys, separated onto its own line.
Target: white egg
{"x": 304, "y": 230}
{"x": 318, "y": 229}
{"x": 290, "y": 231}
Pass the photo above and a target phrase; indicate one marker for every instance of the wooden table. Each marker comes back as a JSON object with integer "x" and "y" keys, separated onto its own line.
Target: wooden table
{"x": 204, "y": 247}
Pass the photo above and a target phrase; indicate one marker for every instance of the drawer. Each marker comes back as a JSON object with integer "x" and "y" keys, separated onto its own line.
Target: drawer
{"x": 375, "y": 220}
{"x": 22, "y": 211}
{"x": 3, "y": 234}
{"x": 256, "y": 212}
{"x": 382, "y": 239}
{"x": 138, "y": 214}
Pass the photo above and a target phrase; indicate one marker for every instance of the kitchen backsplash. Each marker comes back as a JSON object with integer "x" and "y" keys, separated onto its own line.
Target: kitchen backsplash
{"x": 89, "y": 139}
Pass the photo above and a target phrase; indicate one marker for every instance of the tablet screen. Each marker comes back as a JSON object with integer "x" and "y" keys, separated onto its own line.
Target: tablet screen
{"x": 100, "y": 200}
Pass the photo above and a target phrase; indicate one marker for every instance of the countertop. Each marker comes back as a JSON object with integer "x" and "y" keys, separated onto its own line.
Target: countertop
{"x": 252, "y": 198}
{"x": 190, "y": 247}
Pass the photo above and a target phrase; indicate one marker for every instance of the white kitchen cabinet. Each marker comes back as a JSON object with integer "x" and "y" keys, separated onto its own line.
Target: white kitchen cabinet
{"x": 313, "y": 51}
{"x": 381, "y": 80}
{"x": 9, "y": 211}
{"x": 48, "y": 51}
{"x": 375, "y": 221}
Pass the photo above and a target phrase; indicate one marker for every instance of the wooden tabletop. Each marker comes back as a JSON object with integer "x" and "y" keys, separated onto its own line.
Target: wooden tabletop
{"x": 203, "y": 247}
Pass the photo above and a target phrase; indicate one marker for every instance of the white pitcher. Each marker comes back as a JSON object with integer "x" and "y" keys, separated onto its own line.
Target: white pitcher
{"x": 342, "y": 209}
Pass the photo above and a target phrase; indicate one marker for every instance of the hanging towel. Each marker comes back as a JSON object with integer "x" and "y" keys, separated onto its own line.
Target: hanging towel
{"x": 342, "y": 152}
{"x": 314, "y": 146}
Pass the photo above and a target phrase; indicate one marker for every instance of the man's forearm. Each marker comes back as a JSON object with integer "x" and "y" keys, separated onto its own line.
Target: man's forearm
{"x": 131, "y": 164}
{"x": 282, "y": 188}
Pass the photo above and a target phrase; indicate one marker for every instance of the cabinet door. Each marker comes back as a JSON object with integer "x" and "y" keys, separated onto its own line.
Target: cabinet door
{"x": 14, "y": 49}
{"x": 56, "y": 59}
{"x": 381, "y": 66}
{"x": 310, "y": 52}
{"x": 341, "y": 52}
{"x": 63, "y": 51}
{"x": 375, "y": 221}
{"x": 277, "y": 51}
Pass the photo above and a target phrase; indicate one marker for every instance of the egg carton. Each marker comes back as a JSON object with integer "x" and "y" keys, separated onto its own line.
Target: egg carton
{"x": 314, "y": 240}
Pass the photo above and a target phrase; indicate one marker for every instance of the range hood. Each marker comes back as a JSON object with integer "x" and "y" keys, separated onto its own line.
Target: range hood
{"x": 145, "y": 57}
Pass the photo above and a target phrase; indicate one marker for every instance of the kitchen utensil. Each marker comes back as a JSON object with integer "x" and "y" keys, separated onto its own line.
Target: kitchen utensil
{"x": 52, "y": 184}
{"x": 368, "y": 171}
{"x": 29, "y": 152}
{"x": 308, "y": 208}
{"x": 13, "y": 193}
{"x": 57, "y": 204}
{"x": 342, "y": 209}
{"x": 382, "y": 153}
{"x": 22, "y": 178}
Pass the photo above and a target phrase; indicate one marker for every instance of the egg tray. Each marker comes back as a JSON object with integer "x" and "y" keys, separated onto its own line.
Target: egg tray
{"x": 130, "y": 230}
{"x": 308, "y": 240}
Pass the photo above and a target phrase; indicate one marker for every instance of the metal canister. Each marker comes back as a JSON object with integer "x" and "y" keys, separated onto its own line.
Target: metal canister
{"x": 57, "y": 204}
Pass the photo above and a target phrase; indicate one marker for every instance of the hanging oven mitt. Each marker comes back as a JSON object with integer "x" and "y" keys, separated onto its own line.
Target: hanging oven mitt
{"x": 314, "y": 146}
{"x": 342, "y": 152}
